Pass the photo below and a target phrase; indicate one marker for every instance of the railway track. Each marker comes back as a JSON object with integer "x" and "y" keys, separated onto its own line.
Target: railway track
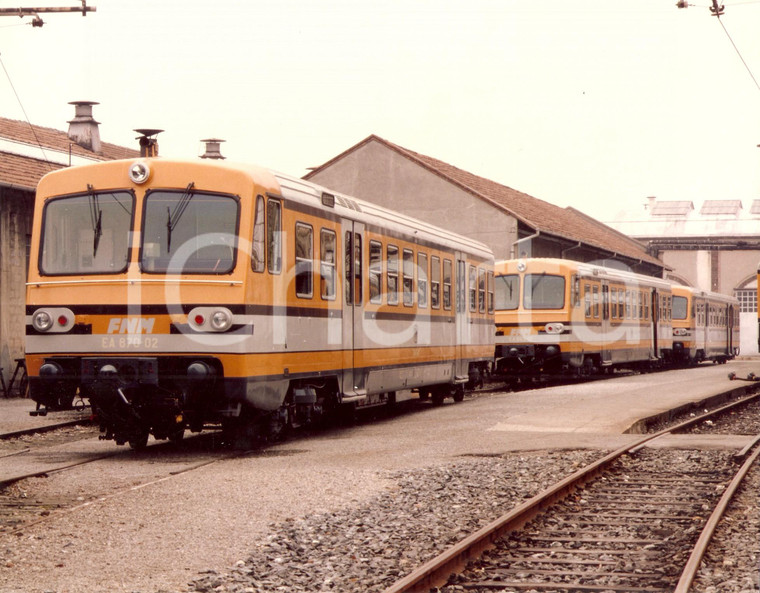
{"x": 20, "y": 510}
{"x": 633, "y": 521}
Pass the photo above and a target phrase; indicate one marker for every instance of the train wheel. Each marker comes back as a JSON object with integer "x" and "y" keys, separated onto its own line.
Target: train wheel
{"x": 240, "y": 432}
{"x": 459, "y": 393}
{"x": 177, "y": 435}
{"x": 140, "y": 440}
{"x": 438, "y": 394}
{"x": 279, "y": 424}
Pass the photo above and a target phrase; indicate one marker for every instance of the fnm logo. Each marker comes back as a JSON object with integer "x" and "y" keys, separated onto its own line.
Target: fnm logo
{"x": 131, "y": 325}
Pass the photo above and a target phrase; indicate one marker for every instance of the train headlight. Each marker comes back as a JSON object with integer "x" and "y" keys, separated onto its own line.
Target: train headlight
{"x": 139, "y": 172}
{"x": 221, "y": 320}
{"x": 554, "y": 328}
{"x": 42, "y": 321}
{"x": 210, "y": 319}
{"x": 53, "y": 320}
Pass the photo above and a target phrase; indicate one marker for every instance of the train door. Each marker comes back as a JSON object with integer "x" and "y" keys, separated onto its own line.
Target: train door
{"x": 701, "y": 328}
{"x": 655, "y": 323}
{"x": 353, "y": 386}
{"x": 462, "y": 321}
{"x": 606, "y": 349}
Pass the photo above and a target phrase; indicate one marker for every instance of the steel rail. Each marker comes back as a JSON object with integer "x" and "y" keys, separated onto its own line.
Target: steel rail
{"x": 692, "y": 565}
{"x": 436, "y": 571}
{"x": 43, "y": 429}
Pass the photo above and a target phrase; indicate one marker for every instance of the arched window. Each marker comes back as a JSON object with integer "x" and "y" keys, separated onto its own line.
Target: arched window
{"x": 746, "y": 293}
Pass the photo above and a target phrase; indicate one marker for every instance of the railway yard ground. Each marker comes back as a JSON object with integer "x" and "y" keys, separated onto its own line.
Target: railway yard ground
{"x": 344, "y": 509}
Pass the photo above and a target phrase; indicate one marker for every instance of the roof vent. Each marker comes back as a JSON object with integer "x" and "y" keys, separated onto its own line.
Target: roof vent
{"x": 83, "y": 129}
{"x": 213, "y": 149}
{"x": 148, "y": 145}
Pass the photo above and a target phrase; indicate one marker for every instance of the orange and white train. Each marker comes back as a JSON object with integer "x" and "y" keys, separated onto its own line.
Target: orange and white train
{"x": 705, "y": 326}
{"x": 557, "y": 316}
{"x": 172, "y": 294}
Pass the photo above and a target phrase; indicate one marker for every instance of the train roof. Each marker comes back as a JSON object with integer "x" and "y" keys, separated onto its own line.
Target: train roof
{"x": 306, "y": 192}
{"x": 681, "y": 290}
{"x": 584, "y": 268}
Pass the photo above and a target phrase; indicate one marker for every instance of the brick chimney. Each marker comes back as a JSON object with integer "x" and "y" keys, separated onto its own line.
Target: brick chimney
{"x": 83, "y": 129}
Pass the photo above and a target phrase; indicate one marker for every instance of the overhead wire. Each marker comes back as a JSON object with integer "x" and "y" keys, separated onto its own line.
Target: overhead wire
{"x": 31, "y": 127}
{"x": 738, "y": 52}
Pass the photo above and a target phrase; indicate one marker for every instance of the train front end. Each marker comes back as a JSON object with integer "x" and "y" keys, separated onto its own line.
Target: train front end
{"x": 533, "y": 316}
{"x": 136, "y": 292}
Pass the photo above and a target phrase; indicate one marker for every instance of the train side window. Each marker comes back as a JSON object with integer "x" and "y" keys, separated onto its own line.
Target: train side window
{"x": 348, "y": 248}
{"x": 304, "y": 260}
{"x": 481, "y": 290}
{"x": 435, "y": 282}
{"x": 408, "y": 256}
{"x": 274, "y": 237}
{"x": 587, "y": 300}
{"x": 422, "y": 280}
{"x": 447, "y": 271}
{"x": 257, "y": 248}
{"x": 596, "y": 301}
{"x": 328, "y": 241}
{"x": 473, "y": 288}
{"x": 621, "y": 303}
{"x": 392, "y": 264}
{"x": 375, "y": 271}
{"x": 490, "y": 292}
{"x": 613, "y": 303}
{"x": 358, "y": 295}
{"x": 575, "y": 291}
{"x": 353, "y": 257}
{"x": 633, "y": 305}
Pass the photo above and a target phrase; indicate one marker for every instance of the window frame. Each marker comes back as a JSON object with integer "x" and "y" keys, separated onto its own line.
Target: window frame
{"x": 325, "y": 264}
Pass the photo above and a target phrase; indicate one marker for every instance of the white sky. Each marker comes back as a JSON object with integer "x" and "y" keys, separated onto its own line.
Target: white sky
{"x": 590, "y": 104}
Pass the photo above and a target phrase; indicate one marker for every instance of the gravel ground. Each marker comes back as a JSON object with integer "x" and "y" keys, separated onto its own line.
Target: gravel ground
{"x": 366, "y": 549}
{"x": 732, "y": 563}
{"x": 348, "y": 527}
{"x": 345, "y": 546}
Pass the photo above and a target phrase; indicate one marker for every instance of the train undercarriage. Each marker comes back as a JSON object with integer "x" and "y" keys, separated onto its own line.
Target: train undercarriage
{"x": 133, "y": 398}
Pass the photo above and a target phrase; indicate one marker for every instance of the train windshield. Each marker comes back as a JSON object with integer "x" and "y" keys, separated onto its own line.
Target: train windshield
{"x": 543, "y": 291}
{"x": 680, "y": 307}
{"x": 506, "y": 292}
{"x": 189, "y": 232}
{"x": 87, "y": 234}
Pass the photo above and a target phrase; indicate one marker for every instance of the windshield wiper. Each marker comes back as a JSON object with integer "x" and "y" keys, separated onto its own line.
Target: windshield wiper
{"x": 172, "y": 218}
{"x": 96, "y": 216}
